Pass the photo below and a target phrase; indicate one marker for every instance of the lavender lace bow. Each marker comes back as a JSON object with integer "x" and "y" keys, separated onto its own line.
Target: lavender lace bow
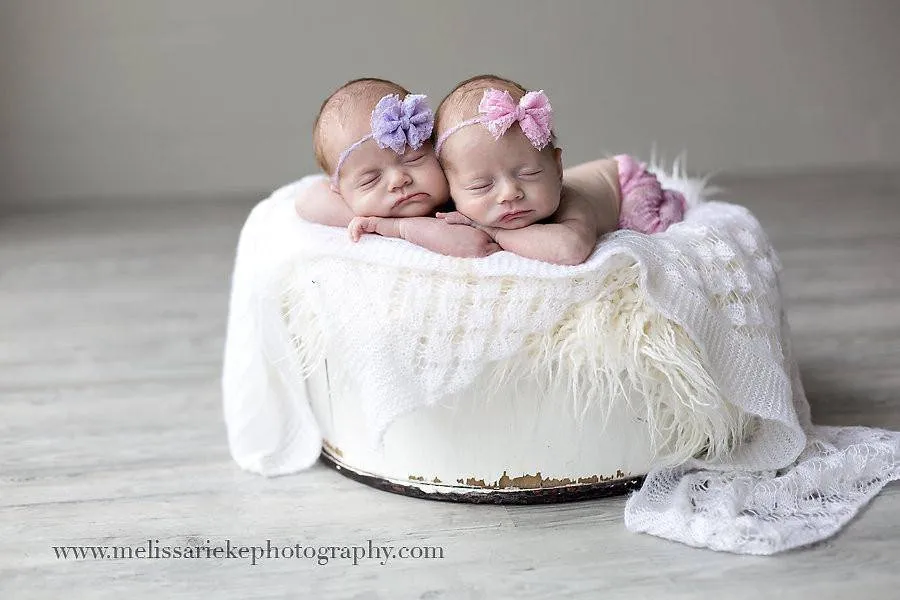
{"x": 396, "y": 123}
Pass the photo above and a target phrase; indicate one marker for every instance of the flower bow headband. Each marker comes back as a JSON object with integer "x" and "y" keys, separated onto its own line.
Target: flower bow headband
{"x": 396, "y": 124}
{"x": 498, "y": 111}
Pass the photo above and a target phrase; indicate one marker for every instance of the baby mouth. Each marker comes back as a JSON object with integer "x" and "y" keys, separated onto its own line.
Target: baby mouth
{"x": 410, "y": 197}
{"x": 511, "y": 216}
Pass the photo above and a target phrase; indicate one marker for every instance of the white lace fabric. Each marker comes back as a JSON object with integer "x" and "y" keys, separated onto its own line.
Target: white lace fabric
{"x": 437, "y": 321}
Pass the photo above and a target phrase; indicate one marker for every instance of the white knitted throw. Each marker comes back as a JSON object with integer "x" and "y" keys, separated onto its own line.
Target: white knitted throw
{"x": 435, "y": 322}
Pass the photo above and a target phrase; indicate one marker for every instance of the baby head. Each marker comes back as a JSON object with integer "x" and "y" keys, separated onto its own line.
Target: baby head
{"x": 373, "y": 138}
{"x": 498, "y": 150}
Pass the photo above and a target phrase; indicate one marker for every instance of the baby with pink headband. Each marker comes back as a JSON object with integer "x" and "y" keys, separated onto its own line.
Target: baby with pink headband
{"x": 498, "y": 150}
{"x": 373, "y": 140}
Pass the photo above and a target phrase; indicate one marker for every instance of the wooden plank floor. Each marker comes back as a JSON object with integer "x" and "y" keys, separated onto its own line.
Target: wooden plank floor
{"x": 112, "y": 325}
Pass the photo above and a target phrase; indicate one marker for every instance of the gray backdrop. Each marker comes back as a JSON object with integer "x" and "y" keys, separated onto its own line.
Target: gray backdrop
{"x": 130, "y": 99}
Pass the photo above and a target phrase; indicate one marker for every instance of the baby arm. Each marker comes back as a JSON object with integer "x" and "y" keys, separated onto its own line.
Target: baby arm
{"x": 567, "y": 242}
{"x": 318, "y": 204}
{"x": 434, "y": 234}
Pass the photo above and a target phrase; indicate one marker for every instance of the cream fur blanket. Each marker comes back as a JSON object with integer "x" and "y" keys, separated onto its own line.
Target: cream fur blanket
{"x": 301, "y": 291}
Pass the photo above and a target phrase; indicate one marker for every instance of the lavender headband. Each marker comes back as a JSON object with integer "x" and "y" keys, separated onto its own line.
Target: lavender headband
{"x": 396, "y": 124}
{"x": 497, "y": 111}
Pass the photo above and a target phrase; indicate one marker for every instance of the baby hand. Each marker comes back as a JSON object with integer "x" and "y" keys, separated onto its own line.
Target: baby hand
{"x": 454, "y": 218}
{"x": 360, "y": 225}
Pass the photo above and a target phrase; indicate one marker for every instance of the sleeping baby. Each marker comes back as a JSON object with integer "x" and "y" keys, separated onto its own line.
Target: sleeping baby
{"x": 373, "y": 140}
{"x": 506, "y": 178}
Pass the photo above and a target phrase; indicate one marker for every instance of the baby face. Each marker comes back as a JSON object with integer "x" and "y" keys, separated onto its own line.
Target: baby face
{"x": 505, "y": 183}
{"x": 378, "y": 182}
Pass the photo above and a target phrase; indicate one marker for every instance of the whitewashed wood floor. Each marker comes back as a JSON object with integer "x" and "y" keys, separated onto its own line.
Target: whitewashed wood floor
{"x": 111, "y": 330}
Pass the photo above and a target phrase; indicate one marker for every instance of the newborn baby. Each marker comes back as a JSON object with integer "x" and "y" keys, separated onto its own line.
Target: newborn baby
{"x": 373, "y": 140}
{"x": 506, "y": 177}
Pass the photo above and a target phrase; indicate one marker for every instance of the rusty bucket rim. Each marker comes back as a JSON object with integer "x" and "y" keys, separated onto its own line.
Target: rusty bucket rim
{"x": 485, "y": 495}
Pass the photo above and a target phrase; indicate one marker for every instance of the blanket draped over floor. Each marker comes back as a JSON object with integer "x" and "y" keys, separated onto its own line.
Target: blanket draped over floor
{"x": 421, "y": 326}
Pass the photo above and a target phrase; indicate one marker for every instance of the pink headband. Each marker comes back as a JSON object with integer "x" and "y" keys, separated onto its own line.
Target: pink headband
{"x": 395, "y": 125}
{"x": 498, "y": 112}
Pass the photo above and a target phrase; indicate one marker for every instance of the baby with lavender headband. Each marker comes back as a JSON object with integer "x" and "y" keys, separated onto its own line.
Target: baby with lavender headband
{"x": 506, "y": 177}
{"x": 373, "y": 140}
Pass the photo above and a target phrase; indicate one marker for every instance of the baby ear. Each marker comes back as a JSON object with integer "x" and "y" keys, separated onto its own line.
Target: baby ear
{"x": 557, "y": 154}
{"x": 335, "y": 190}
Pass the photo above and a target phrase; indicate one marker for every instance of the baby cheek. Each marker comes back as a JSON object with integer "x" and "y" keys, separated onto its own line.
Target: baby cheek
{"x": 355, "y": 202}
{"x": 437, "y": 182}
{"x": 473, "y": 208}
{"x": 549, "y": 199}
{"x": 369, "y": 204}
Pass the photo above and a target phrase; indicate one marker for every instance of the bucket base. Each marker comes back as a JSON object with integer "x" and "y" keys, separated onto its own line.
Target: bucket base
{"x": 483, "y": 495}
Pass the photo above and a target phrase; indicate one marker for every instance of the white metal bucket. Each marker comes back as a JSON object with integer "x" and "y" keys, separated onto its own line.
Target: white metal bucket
{"x": 510, "y": 447}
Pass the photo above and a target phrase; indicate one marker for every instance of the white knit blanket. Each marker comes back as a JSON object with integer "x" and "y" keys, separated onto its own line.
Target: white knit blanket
{"x": 436, "y": 321}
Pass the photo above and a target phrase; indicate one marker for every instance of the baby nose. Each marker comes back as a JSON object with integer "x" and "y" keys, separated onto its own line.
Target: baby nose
{"x": 510, "y": 193}
{"x": 400, "y": 179}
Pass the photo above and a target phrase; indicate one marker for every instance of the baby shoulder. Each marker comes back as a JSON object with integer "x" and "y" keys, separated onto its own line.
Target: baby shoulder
{"x": 594, "y": 211}
{"x": 317, "y": 203}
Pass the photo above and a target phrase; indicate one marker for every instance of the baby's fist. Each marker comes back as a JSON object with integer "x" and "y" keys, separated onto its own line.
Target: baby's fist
{"x": 360, "y": 225}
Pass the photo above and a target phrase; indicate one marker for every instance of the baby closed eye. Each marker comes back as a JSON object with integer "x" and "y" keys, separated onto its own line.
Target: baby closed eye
{"x": 367, "y": 179}
{"x": 478, "y": 186}
{"x": 415, "y": 161}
